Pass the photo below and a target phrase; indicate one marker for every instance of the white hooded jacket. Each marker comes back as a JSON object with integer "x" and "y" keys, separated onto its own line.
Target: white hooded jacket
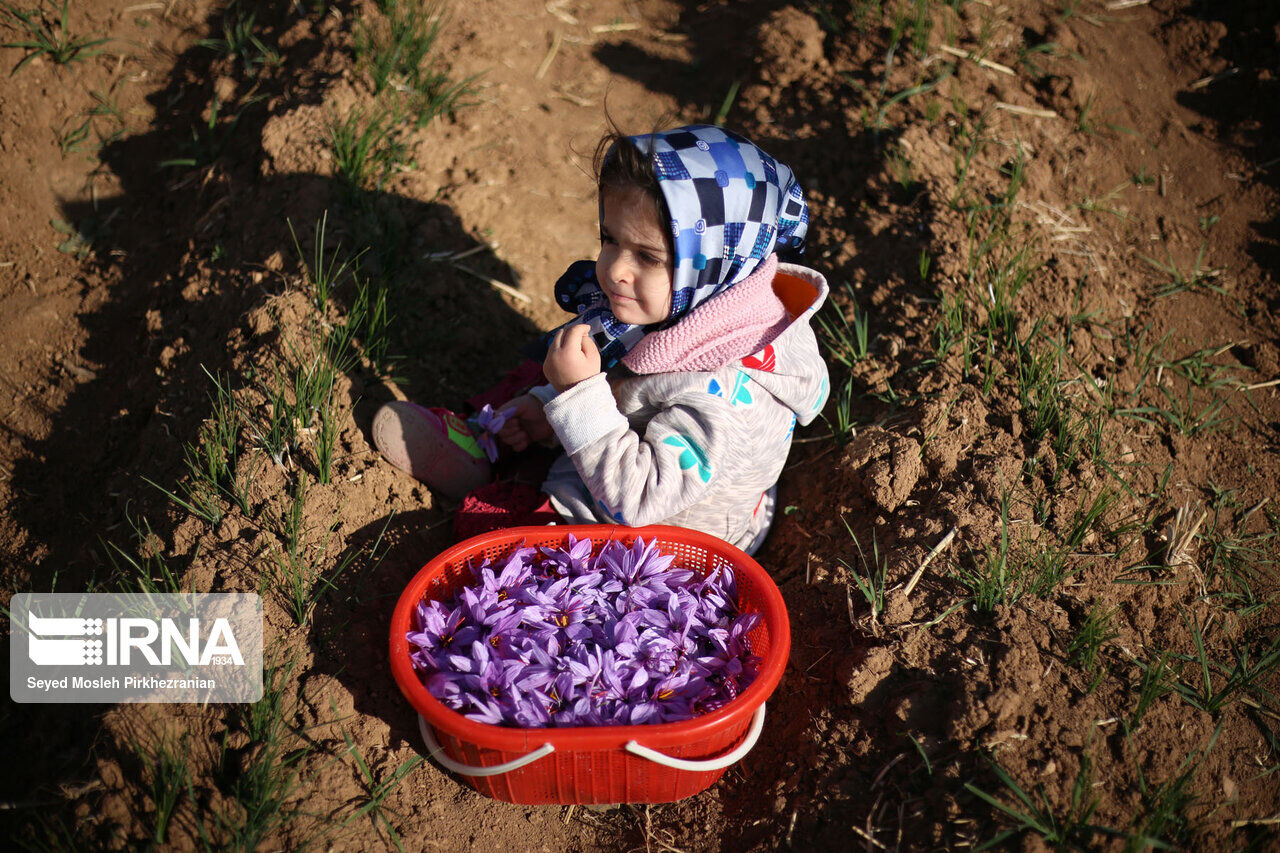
{"x": 700, "y": 438}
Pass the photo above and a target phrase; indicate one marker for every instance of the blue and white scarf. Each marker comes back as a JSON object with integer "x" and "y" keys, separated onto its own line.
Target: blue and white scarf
{"x": 731, "y": 206}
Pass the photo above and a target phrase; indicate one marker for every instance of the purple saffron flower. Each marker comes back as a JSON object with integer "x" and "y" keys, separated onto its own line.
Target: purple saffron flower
{"x": 634, "y": 566}
{"x": 641, "y": 711}
{"x": 493, "y": 676}
{"x": 506, "y": 581}
{"x": 609, "y": 685}
{"x": 664, "y": 699}
{"x": 586, "y": 666}
{"x": 588, "y": 713}
{"x": 641, "y": 571}
{"x": 738, "y": 631}
{"x": 486, "y": 425}
{"x": 619, "y": 634}
{"x": 563, "y": 695}
{"x": 483, "y": 710}
{"x": 677, "y": 621}
{"x": 543, "y": 595}
{"x": 573, "y": 561}
{"x": 447, "y": 687}
{"x": 503, "y": 636}
{"x": 575, "y": 638}
{"x": 532, "y": 711}
{"x": 423, "y": 660}
{"x": 559, "y": 606}
{"x": 441, "y": 630}
{"x": 657, "y": 653}
{"x": 714, "y": 601}
{"x": 483, "y": 606}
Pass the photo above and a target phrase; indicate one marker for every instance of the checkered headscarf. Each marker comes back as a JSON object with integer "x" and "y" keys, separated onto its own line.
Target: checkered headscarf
{"x": 731, "y": 206}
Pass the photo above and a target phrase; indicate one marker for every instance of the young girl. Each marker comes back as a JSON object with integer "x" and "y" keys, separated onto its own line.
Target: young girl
{"x": 675, "y": 392}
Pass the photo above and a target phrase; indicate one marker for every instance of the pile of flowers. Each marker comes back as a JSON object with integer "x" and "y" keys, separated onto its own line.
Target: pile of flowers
{"x": 557, "y": 637}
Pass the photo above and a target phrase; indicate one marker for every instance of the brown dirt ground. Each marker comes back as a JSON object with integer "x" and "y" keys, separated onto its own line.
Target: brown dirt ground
{"x": 1147, "y": 132}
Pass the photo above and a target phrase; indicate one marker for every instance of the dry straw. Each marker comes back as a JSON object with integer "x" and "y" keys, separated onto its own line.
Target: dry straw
{"x": 1181, "y": 550}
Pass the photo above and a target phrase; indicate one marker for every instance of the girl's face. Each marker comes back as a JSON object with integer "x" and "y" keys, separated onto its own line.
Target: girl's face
{"x": 635, "y": 265}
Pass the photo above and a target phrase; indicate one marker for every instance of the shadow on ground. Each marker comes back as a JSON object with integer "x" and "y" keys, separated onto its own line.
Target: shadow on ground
{"x": 1243, "y": 101}
{"x": 186, "y": 253}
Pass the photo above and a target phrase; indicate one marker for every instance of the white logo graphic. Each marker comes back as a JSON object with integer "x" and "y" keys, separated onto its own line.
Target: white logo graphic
{"x": 52, "y": 642}
{"x": 64, "y": 652}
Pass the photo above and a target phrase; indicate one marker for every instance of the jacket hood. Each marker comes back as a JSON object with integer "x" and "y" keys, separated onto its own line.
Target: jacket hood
{"x": 762, "y": 327}
{"x": 790, "y": 366}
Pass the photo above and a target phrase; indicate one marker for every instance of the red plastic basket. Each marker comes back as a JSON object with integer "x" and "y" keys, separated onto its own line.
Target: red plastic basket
{"x": 655, "y": 763}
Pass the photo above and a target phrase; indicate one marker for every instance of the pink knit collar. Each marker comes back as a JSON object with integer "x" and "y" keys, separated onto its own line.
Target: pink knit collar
{"x": 727, "y": 327}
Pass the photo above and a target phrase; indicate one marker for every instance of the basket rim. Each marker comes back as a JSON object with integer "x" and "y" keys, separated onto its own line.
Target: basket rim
{"x": 655, "y": 735}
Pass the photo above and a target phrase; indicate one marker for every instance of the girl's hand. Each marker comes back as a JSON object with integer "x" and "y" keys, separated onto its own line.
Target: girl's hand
{"x": 527, "y": 425}
{"x": 571, "y": 358}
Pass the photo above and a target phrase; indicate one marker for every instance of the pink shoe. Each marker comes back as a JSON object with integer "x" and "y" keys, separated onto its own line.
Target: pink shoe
{"x": 434, "y": 445}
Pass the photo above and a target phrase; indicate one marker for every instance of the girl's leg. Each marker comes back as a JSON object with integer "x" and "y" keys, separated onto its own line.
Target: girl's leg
{"x": 502, "y": 504}
{"x": 438, "y": 447}
{"x": 514, "y": 499}
{"x": 433, "y": 445}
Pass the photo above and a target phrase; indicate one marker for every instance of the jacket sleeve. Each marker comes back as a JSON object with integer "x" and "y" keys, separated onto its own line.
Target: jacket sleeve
{"x": 643, "y": 479}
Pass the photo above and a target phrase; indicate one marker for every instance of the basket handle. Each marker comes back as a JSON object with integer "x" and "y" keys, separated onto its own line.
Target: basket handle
{"x": 466, "y": 769}
{"x": 753, "y": 734}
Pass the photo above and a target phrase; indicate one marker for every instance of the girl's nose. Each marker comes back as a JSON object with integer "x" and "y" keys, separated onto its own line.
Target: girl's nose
{"x": 618, "y": 270}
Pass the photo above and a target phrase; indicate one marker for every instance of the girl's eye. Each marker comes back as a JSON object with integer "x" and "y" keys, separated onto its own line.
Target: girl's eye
{"x": 650, "y": 260}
